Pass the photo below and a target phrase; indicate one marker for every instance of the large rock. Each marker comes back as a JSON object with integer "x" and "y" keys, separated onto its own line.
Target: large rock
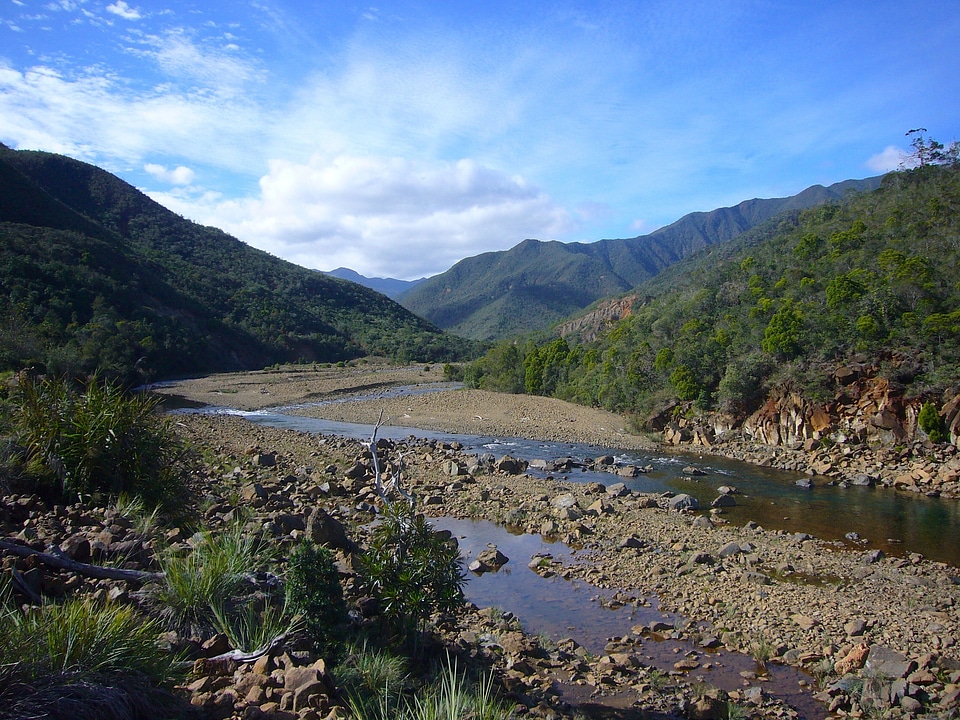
{"x": 683, "y": 502}
{"x": 324, "y": 529}
{"x": 511, "y": 465}
{"x": 882, "y": 661}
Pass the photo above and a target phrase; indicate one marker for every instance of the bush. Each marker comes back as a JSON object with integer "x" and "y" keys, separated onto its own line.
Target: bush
{"x": 209, "y": 576}
{"x": 313, "y": 589}
{"x": 931, "y": 423}
{"x": 81, "y": 659}
{"x": 411, "y": 569}
{"x": 99, "y": 441}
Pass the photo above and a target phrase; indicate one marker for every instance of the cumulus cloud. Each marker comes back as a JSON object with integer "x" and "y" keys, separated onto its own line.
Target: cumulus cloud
{"x": 178, "y": 176}
{"x": 382, "y": 216}
{"x": 890, "y": 159}
{"x": 121, "y": 9}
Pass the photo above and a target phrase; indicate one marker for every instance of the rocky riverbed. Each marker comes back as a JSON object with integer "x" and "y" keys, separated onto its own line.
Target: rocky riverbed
{"x": 877, "y": 635}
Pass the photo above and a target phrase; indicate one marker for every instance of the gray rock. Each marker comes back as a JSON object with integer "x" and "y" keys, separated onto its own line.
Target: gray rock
{"x": 693, "y": 471}
{"x": 723, "y": 501}
{"x": 564, "y": 501}
{"x": 862, "y": 480}
{"x": 805, "y": 483}
{"x": 683, "y": 502}
{"x": 511, "y": 465}
{"x": 617, "y": 490}
{"x": 727, "y": 490}
{"x": 729, "y": 550}
{"x": 855, "y": 628}
{"x": 884, "y": 661}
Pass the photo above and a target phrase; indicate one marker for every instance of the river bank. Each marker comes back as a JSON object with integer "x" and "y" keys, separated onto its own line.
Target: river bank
{"x": 777, "y": 595}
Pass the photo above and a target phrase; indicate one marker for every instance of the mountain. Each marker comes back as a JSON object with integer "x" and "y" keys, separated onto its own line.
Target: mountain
{"x": 390, "y": 287}
{"x": 535, "y": 284}
{"x": 96, "y": 275}
{"x": 790, "y": 314}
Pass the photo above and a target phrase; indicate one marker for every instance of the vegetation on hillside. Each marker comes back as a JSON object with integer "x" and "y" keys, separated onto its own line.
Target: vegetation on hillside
{"x": 872, "y": 275}
{"x": 534, "y": 284}
{"x": 96, "y": 276}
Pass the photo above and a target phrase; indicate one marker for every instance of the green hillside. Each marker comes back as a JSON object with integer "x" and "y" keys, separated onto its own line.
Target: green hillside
{"x": 535, "y": 284}
{"x": 94, "y": 274}
{"x": 872, "y": 277}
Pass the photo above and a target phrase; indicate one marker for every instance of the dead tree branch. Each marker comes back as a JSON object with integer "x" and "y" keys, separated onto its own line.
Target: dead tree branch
{"x": 57, "y": 559}
{"x": 383, "y": 489}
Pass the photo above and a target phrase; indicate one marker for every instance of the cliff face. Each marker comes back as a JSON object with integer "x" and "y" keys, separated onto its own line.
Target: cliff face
{"x": 867, "y": 434}
{"x": 589, "y": 326}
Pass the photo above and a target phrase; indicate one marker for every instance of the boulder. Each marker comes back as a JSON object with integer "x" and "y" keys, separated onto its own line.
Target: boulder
{"x": 511, "y": 465}
{"x": 723, "y": 501}
{"x": 683, "y": 502}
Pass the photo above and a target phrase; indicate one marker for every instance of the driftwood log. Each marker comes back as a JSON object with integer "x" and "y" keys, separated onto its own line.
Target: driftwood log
{"x": 57, "y": 559}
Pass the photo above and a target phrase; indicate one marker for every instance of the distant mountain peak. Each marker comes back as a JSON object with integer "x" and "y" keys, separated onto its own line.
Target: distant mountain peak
{"x": 391, "y": 287}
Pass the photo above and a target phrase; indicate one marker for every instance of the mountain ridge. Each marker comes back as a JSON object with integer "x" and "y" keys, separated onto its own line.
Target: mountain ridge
{"x": 94, "y": 275}
{"x": 537, "y": 283}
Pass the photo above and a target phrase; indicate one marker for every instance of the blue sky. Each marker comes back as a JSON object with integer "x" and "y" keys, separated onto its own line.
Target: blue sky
{"x": 398, "y": 138}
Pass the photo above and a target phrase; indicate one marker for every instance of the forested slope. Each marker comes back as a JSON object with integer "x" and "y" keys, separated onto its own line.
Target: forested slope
{"x": 872, "y": 278}
{"x": 96, "y": 275}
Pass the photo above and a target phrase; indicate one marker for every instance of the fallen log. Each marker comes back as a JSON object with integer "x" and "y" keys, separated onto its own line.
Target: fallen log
{"x": 57, "y": 559}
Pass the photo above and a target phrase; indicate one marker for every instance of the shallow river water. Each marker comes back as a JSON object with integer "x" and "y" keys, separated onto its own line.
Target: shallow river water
{"x": 557, "y": 608}
{"x": 895, "y": 522}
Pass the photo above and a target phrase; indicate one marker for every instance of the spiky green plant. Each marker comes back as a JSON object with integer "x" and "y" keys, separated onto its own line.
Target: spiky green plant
{"x": 81, "y": 659}
{"x": 411, "y": 569}
{"x": 250, "y": 629}
{"x": 99, "y": 440}
{"x": 451, "y": 697}
{"x": 208, "y": 575}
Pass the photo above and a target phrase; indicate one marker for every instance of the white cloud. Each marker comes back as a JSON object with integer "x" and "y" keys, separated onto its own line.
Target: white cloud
{"x": 382, "y": 216}
{"x": 178, "y": 176}
{"x": 123, "y": 10}
{"x": 891, "y": 158}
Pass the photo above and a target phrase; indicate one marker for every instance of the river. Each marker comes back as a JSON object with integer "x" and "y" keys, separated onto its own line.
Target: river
{"x": 877, "y": 518}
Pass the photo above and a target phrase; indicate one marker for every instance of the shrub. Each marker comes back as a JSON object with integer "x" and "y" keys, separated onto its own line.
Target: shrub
{"x": 411, "y": 569}
{"x": 81, "y": 659}
{"x": 313, "y": 589}
{"x": 931, "y": 423}
{"x": 101, "y": 440}
{"x": 208, "y": 576}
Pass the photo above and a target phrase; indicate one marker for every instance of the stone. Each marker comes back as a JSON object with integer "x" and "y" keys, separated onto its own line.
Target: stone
{"x": 492, "y": 559}
{"x": 617, "y": 490}
{"x": 886, "y": 662}
{"x": 805, "y": 483}
{"x": 683, "y": 502}
{"x": 600, "y": 507}
{"x": 693, "y": 471}
{"x": 804, "y": 622}
{"x": 855, "y": 628}
{"x": 562, "y": 502}
{"x": 264, "y": 459}
{"x": 853, "y": 660}
{"x": 731, "y": 549}
{"x": 727, "y": 490}
{"x": 723, "y": 501}
{"x": 324, "y": 529}
{"x": 510, "y": 465}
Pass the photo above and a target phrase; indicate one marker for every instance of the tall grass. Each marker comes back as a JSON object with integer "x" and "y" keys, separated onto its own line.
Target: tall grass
{"x": 209, "y": 575}
{"x": 79, "y": 658}
{"x": 98, "y": 440}
{"x": 451, "y": 697}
